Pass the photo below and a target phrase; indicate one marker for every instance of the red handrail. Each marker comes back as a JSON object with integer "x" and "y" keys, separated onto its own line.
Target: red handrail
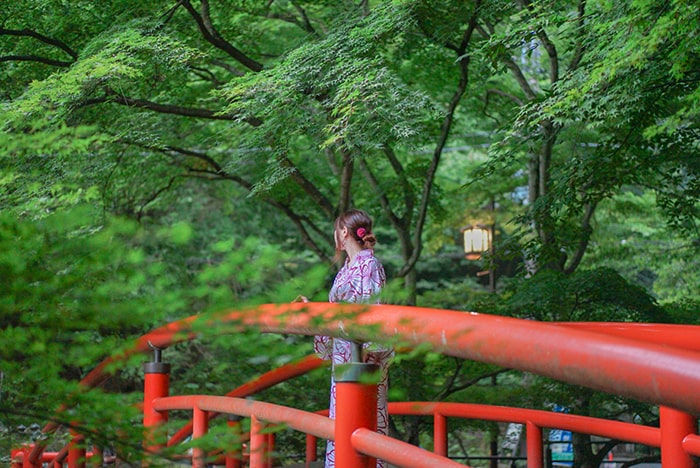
{"x": 649, "y": 372}
{"x": 677, "y": 336}
{"x": 368, "y": 442}
{"x": 582, "y": 424}
{"x": 397, "y": 452}
{"x": 691, "y": 444}
{"x": 263, "y": 382}
{"x": 304, "y": 421}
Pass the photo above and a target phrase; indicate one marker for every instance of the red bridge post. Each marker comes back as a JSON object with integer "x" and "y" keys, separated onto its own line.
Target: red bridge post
{"x": 200, "y": 427}
{"x": 76, "y": 451}
{"x": 440, "y": 434}
{"x": 15, "y": 457}
{"x": 535, "y": 452}
{"x": 234, "y": 458}
{"x": 356, "y": 406}
{"x": 156, "y": 385}
{"x": 675, "y": 426}
{"x": 311, "y": 449}
{"x": 259, "y": 444}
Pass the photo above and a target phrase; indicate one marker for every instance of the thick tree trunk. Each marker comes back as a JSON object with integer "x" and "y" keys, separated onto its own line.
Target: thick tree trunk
{"x": 583, "y": 455}
{"x": 410, "y": 284}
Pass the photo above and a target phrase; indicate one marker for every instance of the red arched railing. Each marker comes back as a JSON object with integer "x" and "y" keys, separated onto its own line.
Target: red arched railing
{"x": 647, "y": 362}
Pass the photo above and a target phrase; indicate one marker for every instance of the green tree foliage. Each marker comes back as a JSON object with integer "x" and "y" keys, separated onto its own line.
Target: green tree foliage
{"x": 71, "y": 295}
{"x": 282, "y": 100}
{"x": 286, "y": 100}
{"x": 586, "y": 296}
{"x": 633, "y": 237}
{"x": 622, "y": 112}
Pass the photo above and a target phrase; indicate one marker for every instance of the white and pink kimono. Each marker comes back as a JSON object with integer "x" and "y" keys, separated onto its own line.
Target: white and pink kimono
{"x": 357, "y": 282}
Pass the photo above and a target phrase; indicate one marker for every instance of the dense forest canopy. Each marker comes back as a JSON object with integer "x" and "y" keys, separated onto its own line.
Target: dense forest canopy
{"x": 166, "y": 158}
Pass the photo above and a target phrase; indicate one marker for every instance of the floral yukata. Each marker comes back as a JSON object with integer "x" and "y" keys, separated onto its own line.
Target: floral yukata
{"x": 358, "y": 282}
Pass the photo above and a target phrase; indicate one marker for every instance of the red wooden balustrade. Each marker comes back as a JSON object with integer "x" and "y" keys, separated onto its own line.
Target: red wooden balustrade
{"x": 653, "y": 363}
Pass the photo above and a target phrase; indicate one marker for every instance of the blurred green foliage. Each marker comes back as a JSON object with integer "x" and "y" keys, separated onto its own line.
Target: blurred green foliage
{"x": 74, "y": 293}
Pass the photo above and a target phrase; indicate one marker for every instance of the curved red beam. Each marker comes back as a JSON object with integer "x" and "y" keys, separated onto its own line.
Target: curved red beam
{"x": 618, "y": 430}
{"x": 650, "y": 372}
{"x": 265, "y": 381}
{"x": 401, "y": 453}
{"x": 678, "y": 336}
{"x": 299, "y": 420}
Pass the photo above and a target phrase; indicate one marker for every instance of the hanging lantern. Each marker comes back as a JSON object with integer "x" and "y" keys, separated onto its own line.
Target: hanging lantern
{"x": 477, "y": 240}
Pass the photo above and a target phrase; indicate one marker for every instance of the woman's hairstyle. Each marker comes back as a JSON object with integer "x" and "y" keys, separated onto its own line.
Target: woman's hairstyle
{"x": 359, "y": 225}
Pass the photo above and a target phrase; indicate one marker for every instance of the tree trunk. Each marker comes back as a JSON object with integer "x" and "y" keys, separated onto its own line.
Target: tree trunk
{"x": 583, "y": 452}
{"x": 410, "y": 284}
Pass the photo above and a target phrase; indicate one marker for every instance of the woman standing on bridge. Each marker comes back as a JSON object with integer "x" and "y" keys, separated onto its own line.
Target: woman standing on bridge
{"x": 359, "y": 281}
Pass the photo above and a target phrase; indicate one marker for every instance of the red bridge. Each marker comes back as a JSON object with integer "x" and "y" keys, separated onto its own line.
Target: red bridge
{"x": 653, "y": 363}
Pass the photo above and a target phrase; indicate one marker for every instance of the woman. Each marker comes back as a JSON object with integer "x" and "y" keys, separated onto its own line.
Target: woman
{"x": 359, "y": 281}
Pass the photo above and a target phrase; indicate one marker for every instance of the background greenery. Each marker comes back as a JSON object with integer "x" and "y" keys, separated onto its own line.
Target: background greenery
{"x": 163, "y": 159}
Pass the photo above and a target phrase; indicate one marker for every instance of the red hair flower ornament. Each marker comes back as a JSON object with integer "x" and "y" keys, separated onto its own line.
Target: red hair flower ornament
{"x": 361, "y": 232}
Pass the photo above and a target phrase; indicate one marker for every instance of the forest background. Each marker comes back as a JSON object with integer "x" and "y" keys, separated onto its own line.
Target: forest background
{"x": 163, "y": 159}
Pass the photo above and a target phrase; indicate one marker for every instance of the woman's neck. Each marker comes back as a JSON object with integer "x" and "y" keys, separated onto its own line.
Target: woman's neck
{"x": 352, "y": 248}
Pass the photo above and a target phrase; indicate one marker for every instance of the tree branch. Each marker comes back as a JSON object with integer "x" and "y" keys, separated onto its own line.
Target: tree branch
{"x": 544, "y": 160}
{"x": 208, "y": 160}
{"x": 487, "y": 101}
{"x": 548, "y": 46}
{"x": 207, "y": 75}
{"x": 113, "y": 97}
{"x": 212, "y": 36}
{"x": 304, "y": 23}
{"x": 605, "y": 448}
{"x": 155, "y": 195}
{"x": 298, "y": 220}
{"x": 364, "y": 6}
{"x": 310, "y": 189}
{"x": 585, "y": 238}
{"x": 220, "y": 173}
{"x": 446, "y": 43}
{"x": 520, "y": 78}
{"x": 408, "y": 193}
{"x": 552, "y": 53}
{"x": 168, "y": 15}
{"x": 401, "y": 225}
{"x": 346, "y": 173}
{"x": 232, "y": 70}
{"x": 514, "y": 69}
{"x": 463, "y": 63}
{"x": 579, "y": 50}
{"x": 45, "y": 39}
{"x": 206, "y": 18}
{"x": 456, "y": 387}
{"x": 459, "y": 363}
{"x": 509, "y": 96}
{"x": 383, "y": 199}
